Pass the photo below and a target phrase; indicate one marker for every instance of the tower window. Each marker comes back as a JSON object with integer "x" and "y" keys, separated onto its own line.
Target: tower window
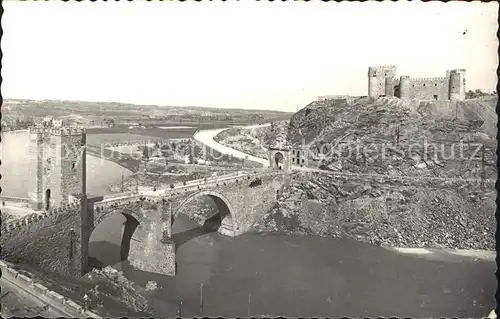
{"x": 435, "y": 84}
{"x": 413, "y": 85}
{"x": 73, "y": 165}
{"x": 385, "y": 74}
{"x": 424, "y": 84}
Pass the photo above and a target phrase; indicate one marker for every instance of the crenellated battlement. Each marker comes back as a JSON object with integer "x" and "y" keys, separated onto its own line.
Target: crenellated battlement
{"x": 381, "y": 67}
{"x": 64, "y": 131}
{"x": 382, "y": 71}
{"x": 37, "y": 130}
{"x": 430, "y": 88}
{"x": 392, "y": 80}
{"x": 432, "y": 79}
{"x": 34, "y": 218}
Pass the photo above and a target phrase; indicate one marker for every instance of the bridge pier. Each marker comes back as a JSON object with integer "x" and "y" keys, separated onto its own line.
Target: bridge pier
{"x": 129, "y": 226}
{"x": 227, "y": 227}
{"x": 57, "y": 240}
{"x": 151, "y": 247}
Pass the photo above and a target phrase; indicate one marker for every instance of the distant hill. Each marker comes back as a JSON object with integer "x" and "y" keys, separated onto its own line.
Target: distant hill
{"x": 13, "y": 104}
{"x": 122, "y": 112}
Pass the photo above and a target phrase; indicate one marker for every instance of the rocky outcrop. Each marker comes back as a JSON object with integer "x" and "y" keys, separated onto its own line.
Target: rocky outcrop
{"x": 398, "y": 181}
{"x": 388, "y": 212}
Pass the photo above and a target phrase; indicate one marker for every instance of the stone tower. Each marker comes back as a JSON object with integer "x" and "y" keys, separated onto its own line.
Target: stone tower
{"x": 457, "y": 85}
{"x": 57, "y": 167}
{"x": 376, "y": 79}
{"x": 404, "y": 87}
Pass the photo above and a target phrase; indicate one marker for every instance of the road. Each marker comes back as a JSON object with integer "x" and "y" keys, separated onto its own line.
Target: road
{"x": 20, "y": 303}
{"x": 207, "y": 137}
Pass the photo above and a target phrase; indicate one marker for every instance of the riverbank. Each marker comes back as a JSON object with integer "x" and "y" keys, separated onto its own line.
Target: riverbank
{"x": 289, "y": 275}
{"x": 122, "y": 159}
{"x": 384, "y": 212}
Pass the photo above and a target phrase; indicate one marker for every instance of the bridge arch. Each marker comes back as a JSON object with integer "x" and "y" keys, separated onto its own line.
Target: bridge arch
{"x": 128, "y": 227}
{"x": 108, "y": 212}
{"x": 226, "y": 210}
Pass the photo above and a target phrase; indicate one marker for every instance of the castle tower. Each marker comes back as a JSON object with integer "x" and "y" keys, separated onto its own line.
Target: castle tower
{"x": 376, "y": 79}
{"x": 404, "y": 87}
{"x": 389, "y": 87}
{"x": 57, "y": 166}
{"x": 457, "y": 85}
{"x": 67, "y": 151}
{"x": 37, "y": 160}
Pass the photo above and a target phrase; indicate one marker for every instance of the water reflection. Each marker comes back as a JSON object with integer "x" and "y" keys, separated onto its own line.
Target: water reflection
{"x": 306, "y": 276}
{"x": 16, "y": 177}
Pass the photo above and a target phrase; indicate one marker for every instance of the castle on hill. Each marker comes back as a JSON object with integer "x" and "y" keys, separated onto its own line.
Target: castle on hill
{"x": 382, "y": 81}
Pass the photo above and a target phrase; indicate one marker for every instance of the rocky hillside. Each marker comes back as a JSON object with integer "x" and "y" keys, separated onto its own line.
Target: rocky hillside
{"x": 387, "y": 212}
{"x": 439, "y": 195}
{"x": 391, "y": 136}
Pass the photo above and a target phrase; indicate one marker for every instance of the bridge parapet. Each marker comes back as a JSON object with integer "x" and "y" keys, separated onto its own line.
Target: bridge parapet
{"x": 117, "y": 195}
{"x": 114, "y": 202}
{"x": 210, "y": 184}
{"x": 14, "y": 199}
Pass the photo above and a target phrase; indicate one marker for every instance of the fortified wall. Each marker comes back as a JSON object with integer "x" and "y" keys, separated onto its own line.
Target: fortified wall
{"x": 382, "y": 81}
{"x": 343, "y": 98}
{"x": 50, "y": 240}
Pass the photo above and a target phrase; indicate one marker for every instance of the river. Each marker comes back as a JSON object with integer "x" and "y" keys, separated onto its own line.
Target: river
{"x": 286, "y": 275}
{"x": 303, "y": 276}
{"x": 16, "y": 175}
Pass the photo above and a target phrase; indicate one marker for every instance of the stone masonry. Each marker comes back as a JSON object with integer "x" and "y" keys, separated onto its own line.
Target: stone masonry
{"x": 57, "y": 240}
{"x": 49, "y": 241}
{"x": 56, "y": 165}
{"x": 382, "y": 81}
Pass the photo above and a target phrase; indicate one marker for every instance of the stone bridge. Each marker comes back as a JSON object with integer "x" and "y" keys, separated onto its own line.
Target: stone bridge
{"x": 58, "y": 240}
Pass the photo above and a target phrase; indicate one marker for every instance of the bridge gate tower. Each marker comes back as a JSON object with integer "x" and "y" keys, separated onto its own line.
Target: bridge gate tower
{"x": 56, "y": 166}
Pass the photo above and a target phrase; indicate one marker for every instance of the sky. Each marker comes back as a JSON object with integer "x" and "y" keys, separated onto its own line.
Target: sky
{"x": 246, "y": 54}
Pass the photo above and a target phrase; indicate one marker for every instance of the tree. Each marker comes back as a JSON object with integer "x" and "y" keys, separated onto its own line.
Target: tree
{"x": 478, "y": 93}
